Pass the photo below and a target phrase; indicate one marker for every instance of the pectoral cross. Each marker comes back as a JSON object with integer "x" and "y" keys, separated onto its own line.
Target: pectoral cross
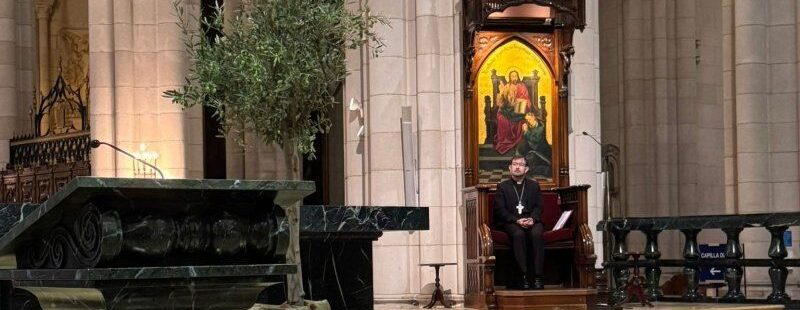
{"x": 519, "y": 208}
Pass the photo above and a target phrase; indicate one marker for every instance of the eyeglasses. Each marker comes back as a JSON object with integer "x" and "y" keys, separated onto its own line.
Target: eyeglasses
{"x": 518, "y": 164}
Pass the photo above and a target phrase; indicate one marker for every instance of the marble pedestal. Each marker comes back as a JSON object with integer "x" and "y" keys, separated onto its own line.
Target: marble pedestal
{"x": 336, "y": 249}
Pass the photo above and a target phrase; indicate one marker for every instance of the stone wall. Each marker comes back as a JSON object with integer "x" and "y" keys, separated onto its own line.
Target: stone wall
{"x": 136, "y": 53}
{"x": 419, "y": 68}
{"x": 701, "y": 97}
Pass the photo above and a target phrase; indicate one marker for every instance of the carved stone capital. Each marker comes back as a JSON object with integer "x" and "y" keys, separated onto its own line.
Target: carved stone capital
{"x": 44, "y": 9}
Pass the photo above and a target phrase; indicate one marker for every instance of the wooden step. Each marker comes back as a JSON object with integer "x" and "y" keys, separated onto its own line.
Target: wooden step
{"x": 547, "y": 299}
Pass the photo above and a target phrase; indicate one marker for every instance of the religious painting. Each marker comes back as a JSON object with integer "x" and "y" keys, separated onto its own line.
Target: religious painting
{"x": 515, "y": 89}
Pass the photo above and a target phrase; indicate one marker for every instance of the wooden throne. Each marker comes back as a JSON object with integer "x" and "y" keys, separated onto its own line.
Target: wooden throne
{"x": 517, "y": 56}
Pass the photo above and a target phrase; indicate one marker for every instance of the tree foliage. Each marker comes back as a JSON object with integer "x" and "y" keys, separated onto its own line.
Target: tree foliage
{"x": 276, "y": 69}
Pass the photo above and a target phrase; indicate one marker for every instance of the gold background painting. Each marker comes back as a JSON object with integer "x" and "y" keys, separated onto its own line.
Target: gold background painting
{"x": 514, "y": 56}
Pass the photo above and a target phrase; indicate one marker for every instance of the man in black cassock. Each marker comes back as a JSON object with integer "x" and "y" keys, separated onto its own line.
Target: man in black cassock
{"x": 518, "y": 212}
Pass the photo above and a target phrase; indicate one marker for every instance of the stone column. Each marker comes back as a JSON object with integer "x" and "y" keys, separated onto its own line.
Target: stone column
{"x": 752, "y": 123}
{"x": 584, "y": 109}
{"x": 101, "y": 83}
{"x": 26, "y": 62}
{"x": 436, "y": 118}
{"x": 234, "y": 153}
{"x": 8, "y": 78}
{"x": 390, "y": 82}
{"x": 44, "y": 8}
{"x": 729, "y": 108}
{"x": 686, "y": 112}
{"x": 783, "y": 43}
{"x": 123, "y": 76}
{"x": 783, "y": 105}
{"x": 638, "y": 152}
{"x": 752, "y": 130}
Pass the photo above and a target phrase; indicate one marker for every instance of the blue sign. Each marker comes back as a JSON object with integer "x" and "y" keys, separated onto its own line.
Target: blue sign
{"x": 787, "y": 238}
{"x": 712, "y": 251}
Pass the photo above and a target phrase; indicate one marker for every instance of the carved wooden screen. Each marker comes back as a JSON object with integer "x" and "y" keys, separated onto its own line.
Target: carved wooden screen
{"x": 516, "y": 87}
{"x": 55, "y": 151}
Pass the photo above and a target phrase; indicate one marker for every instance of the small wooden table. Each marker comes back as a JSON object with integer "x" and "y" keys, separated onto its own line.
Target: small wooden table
{"x": 438, "y": 293}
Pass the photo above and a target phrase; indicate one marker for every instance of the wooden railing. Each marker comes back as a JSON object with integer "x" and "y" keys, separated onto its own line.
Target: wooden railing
{"x": 41, "y": 166}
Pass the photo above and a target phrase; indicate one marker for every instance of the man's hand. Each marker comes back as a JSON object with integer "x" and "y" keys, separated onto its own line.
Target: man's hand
{"x": 525, "y": 222}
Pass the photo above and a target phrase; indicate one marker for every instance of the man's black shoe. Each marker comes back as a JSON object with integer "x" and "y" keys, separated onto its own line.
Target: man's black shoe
{"x": 525, "y": 285}
{"x": 538, "y": 283}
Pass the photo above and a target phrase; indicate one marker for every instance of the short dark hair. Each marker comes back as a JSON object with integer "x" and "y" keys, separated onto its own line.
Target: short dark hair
{"x": 515, "y": 157}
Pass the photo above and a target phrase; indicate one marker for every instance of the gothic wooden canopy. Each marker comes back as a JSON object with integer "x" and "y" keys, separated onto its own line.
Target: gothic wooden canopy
{"x": 517, "y": 56}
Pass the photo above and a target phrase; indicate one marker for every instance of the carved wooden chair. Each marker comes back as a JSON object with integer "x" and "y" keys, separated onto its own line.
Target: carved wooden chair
{"x": 573, "y": 241}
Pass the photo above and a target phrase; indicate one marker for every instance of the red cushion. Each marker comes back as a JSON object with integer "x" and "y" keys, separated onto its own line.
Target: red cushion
{"x": 491, "y": 209}
{"x": 500, "y": 238}
{"x": 555, "y": 235}
{"x": 551, "y": 210}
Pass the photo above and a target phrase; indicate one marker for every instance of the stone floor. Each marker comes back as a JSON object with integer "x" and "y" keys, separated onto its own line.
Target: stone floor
{"x": 408, "y": 306}
{"x": 702, "y": 306}
{"x": 657, "y": 306}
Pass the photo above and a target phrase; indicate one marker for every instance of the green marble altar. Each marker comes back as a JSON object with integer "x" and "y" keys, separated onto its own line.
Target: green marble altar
{"x": 155, "y": 244}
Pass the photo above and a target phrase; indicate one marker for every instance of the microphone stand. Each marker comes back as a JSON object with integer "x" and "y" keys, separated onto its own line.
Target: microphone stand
{"x": 607, "y": 212}
{"x": 96, "y": 143}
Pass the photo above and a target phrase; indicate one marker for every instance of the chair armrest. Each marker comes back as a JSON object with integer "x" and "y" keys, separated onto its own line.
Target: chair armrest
{"x": 584, "y": 242}
{"x": 486, "y": 244}
{"x": 584, "y": 256}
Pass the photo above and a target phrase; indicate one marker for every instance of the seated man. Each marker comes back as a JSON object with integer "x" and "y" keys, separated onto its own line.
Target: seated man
{"x": 518, "y": 211}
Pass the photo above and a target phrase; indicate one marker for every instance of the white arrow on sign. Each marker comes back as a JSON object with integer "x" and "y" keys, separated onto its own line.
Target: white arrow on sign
{"x": 715, "y": 271}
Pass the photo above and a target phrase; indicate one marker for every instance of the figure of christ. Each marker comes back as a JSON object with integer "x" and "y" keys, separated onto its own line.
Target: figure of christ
{"x": 514, "y": 103}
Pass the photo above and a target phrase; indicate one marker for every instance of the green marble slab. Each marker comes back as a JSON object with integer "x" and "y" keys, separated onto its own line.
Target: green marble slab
{"x": 178, "y": 195}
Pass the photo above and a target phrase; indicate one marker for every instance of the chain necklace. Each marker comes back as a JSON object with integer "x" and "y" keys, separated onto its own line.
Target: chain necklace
{"x": 519, "y": 197}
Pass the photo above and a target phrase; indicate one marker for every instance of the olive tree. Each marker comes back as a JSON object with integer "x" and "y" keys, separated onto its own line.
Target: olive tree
{"x": 276, "y": 69}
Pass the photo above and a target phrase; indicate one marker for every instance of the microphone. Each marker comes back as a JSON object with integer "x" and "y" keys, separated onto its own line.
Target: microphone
{"x": 96, "y": 143}
{"x": 593, "y": 138}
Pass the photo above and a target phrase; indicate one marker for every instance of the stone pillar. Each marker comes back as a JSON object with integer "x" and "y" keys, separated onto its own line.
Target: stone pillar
{"x": 637, "y": 149}
{"x": 729, "y": 107}
{"x": 137, "y": 53}
{"x": 752, "y": 123}
{"x": 661, "y": 99}
{"x": 752, "y": 129}
{"x": 123, "y": 76}
{"x": 686, "y": 104}
{"x": 783, "y": 105}
{"x": 420, "y": 69}
{"x": 784, "y": 145}
{"x": 584, "y": 110}
{"x": 436, "y": 115}
{"x": 8, "y": 78}
{"x": 390, "y": 82}
{"x": 101, "y": 83}
{"x": 234, "y": 153}
{"x": 44, "y": 9}
{"x": 26, "y": 62}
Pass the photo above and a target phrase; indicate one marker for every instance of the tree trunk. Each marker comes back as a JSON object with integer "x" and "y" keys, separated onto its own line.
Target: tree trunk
{"x": 295, "y": 291}
{"x": 293, "y": 161}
